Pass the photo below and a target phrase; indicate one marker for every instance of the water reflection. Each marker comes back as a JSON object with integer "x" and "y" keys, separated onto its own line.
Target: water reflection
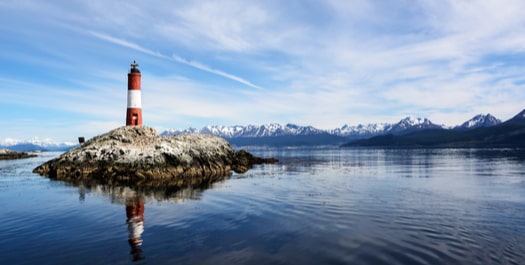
{"x": 332, "y": 206}
{"x": 135, "y": 221}
{"x": 135, "y": 197}
{"x": 174, "y": 192}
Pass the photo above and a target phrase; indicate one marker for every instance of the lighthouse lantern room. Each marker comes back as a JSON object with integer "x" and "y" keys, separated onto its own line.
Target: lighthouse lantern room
{"x": 134, "y": 111}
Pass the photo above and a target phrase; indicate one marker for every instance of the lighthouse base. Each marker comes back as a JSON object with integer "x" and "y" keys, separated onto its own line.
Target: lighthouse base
{"x": 134, "y": 117}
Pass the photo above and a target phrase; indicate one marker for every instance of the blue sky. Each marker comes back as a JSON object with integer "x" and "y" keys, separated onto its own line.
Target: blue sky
{"x": 64, "y": 64}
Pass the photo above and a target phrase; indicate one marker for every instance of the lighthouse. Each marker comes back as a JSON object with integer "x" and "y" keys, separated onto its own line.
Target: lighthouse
{"x": 134, "y": 111}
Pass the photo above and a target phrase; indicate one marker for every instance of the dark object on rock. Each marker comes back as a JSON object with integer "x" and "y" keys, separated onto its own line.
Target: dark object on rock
{"x": 243, "y": 161}
{"x": 6, "y": 154}
{"x": 136, "y": 155}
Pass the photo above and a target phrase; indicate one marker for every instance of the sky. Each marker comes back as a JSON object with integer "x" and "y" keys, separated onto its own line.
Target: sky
{"x": 64, "y": 64}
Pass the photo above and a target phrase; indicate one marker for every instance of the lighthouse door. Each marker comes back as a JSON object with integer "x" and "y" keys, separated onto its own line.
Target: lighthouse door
{"x": 135, "y": 119}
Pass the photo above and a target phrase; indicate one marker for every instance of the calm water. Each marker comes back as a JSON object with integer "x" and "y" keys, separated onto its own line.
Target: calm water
{"x": 317, "y": 206}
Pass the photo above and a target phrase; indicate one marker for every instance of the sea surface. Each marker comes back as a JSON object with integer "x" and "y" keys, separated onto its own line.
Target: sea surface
{"x": 322, "y": 205}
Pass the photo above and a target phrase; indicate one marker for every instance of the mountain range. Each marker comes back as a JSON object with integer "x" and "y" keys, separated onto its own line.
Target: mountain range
{"x": 509, "y": 134}
{"x": 35, "y": 144}
{"x": 291, "y": 134}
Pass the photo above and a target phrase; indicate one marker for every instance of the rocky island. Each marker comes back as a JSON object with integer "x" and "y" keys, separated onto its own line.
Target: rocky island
{"x": 137, "y": 155}
{"x": 6, "y": 154}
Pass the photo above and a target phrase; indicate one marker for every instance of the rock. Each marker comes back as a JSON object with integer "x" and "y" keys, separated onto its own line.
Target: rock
{"x": 137, "y": 155}
{"x": 6, "y": 154}
{"x": 243, "y": 161}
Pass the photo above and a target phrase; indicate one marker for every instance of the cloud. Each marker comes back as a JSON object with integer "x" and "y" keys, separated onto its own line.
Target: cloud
{"x": 126, "y": 44}
{"x": 321, "y": 63}
{"x": 231, "y": 26}
{"x": 174, "y": 57}
{"x": 208, "y": 69}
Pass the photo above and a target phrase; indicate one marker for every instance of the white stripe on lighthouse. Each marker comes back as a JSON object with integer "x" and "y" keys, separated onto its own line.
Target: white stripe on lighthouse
{"x": 134, "y": 100}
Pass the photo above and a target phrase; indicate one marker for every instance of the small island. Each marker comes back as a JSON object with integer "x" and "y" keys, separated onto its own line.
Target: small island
{"x": 138, "y": 156}
{"x": 6, "y": 154}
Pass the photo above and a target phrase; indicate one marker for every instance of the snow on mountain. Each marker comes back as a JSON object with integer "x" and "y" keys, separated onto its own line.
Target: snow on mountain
{"x": 361, "y": 130}
{"x": 406, "y": 125}
{"x": 275, "y": 129}
{"x": 35, "y": 143}
{"x": 410, "y": 124}
{"x": 179, "y": 131}
{"x": 479, "y": 120}
{"x": 266, "y": 130}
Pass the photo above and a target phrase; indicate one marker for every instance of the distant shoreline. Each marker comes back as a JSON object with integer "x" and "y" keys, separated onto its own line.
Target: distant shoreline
{"x": 6, "y": 154}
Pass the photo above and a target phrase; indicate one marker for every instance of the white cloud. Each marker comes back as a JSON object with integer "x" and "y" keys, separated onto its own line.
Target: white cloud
{"x": 206, "y": 68}
{"x": 174, "y": 57}
{"x": 322, "y": 63}
{"x": 126, "y": 44}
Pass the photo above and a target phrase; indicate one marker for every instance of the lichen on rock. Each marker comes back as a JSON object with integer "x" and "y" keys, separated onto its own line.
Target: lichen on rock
{"x": 138, "y": 155}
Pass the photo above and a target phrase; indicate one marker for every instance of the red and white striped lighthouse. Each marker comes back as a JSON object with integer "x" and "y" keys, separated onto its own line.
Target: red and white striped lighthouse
{"x": 134, "y": 112}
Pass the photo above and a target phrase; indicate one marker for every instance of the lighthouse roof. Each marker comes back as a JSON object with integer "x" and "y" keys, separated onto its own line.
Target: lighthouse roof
{"x": 134, "y": 68}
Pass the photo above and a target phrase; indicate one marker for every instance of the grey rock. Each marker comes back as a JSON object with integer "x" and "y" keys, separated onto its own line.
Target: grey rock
{"x": 137, "y": 155}
{"x": 6, "y": 154}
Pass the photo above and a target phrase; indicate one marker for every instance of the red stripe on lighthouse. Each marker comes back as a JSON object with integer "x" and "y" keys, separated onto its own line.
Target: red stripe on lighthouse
{"x": 134, "y": 111}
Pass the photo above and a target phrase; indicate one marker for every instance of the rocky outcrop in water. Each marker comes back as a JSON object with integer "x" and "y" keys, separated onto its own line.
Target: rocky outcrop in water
{"x": 137, "y": 155}
{"x": 6, "y": 154}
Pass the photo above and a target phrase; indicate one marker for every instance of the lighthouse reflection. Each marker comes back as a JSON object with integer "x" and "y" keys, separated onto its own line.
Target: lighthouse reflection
{"x": 135, "y": 222}
{"x": 135, "y": 197}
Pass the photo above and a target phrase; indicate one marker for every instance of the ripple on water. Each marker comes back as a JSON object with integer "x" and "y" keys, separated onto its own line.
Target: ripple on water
{"x": 315, "y": 207}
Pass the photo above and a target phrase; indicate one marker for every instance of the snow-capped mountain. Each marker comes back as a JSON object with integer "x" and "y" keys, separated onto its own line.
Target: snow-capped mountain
{"x": 236, "y": 131}
{"x": 35, "y": 144}
{"x": 268, "y": 134}
{"x": 361, "y": 130}
{"x": 510, "y": 133}
{"x": 289, "y": 134}
{"x": 479, "y": 120}
{"x": 406, "y": 125}
{"x": 410, "y": 124}
{"x": 170, "y": 132}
